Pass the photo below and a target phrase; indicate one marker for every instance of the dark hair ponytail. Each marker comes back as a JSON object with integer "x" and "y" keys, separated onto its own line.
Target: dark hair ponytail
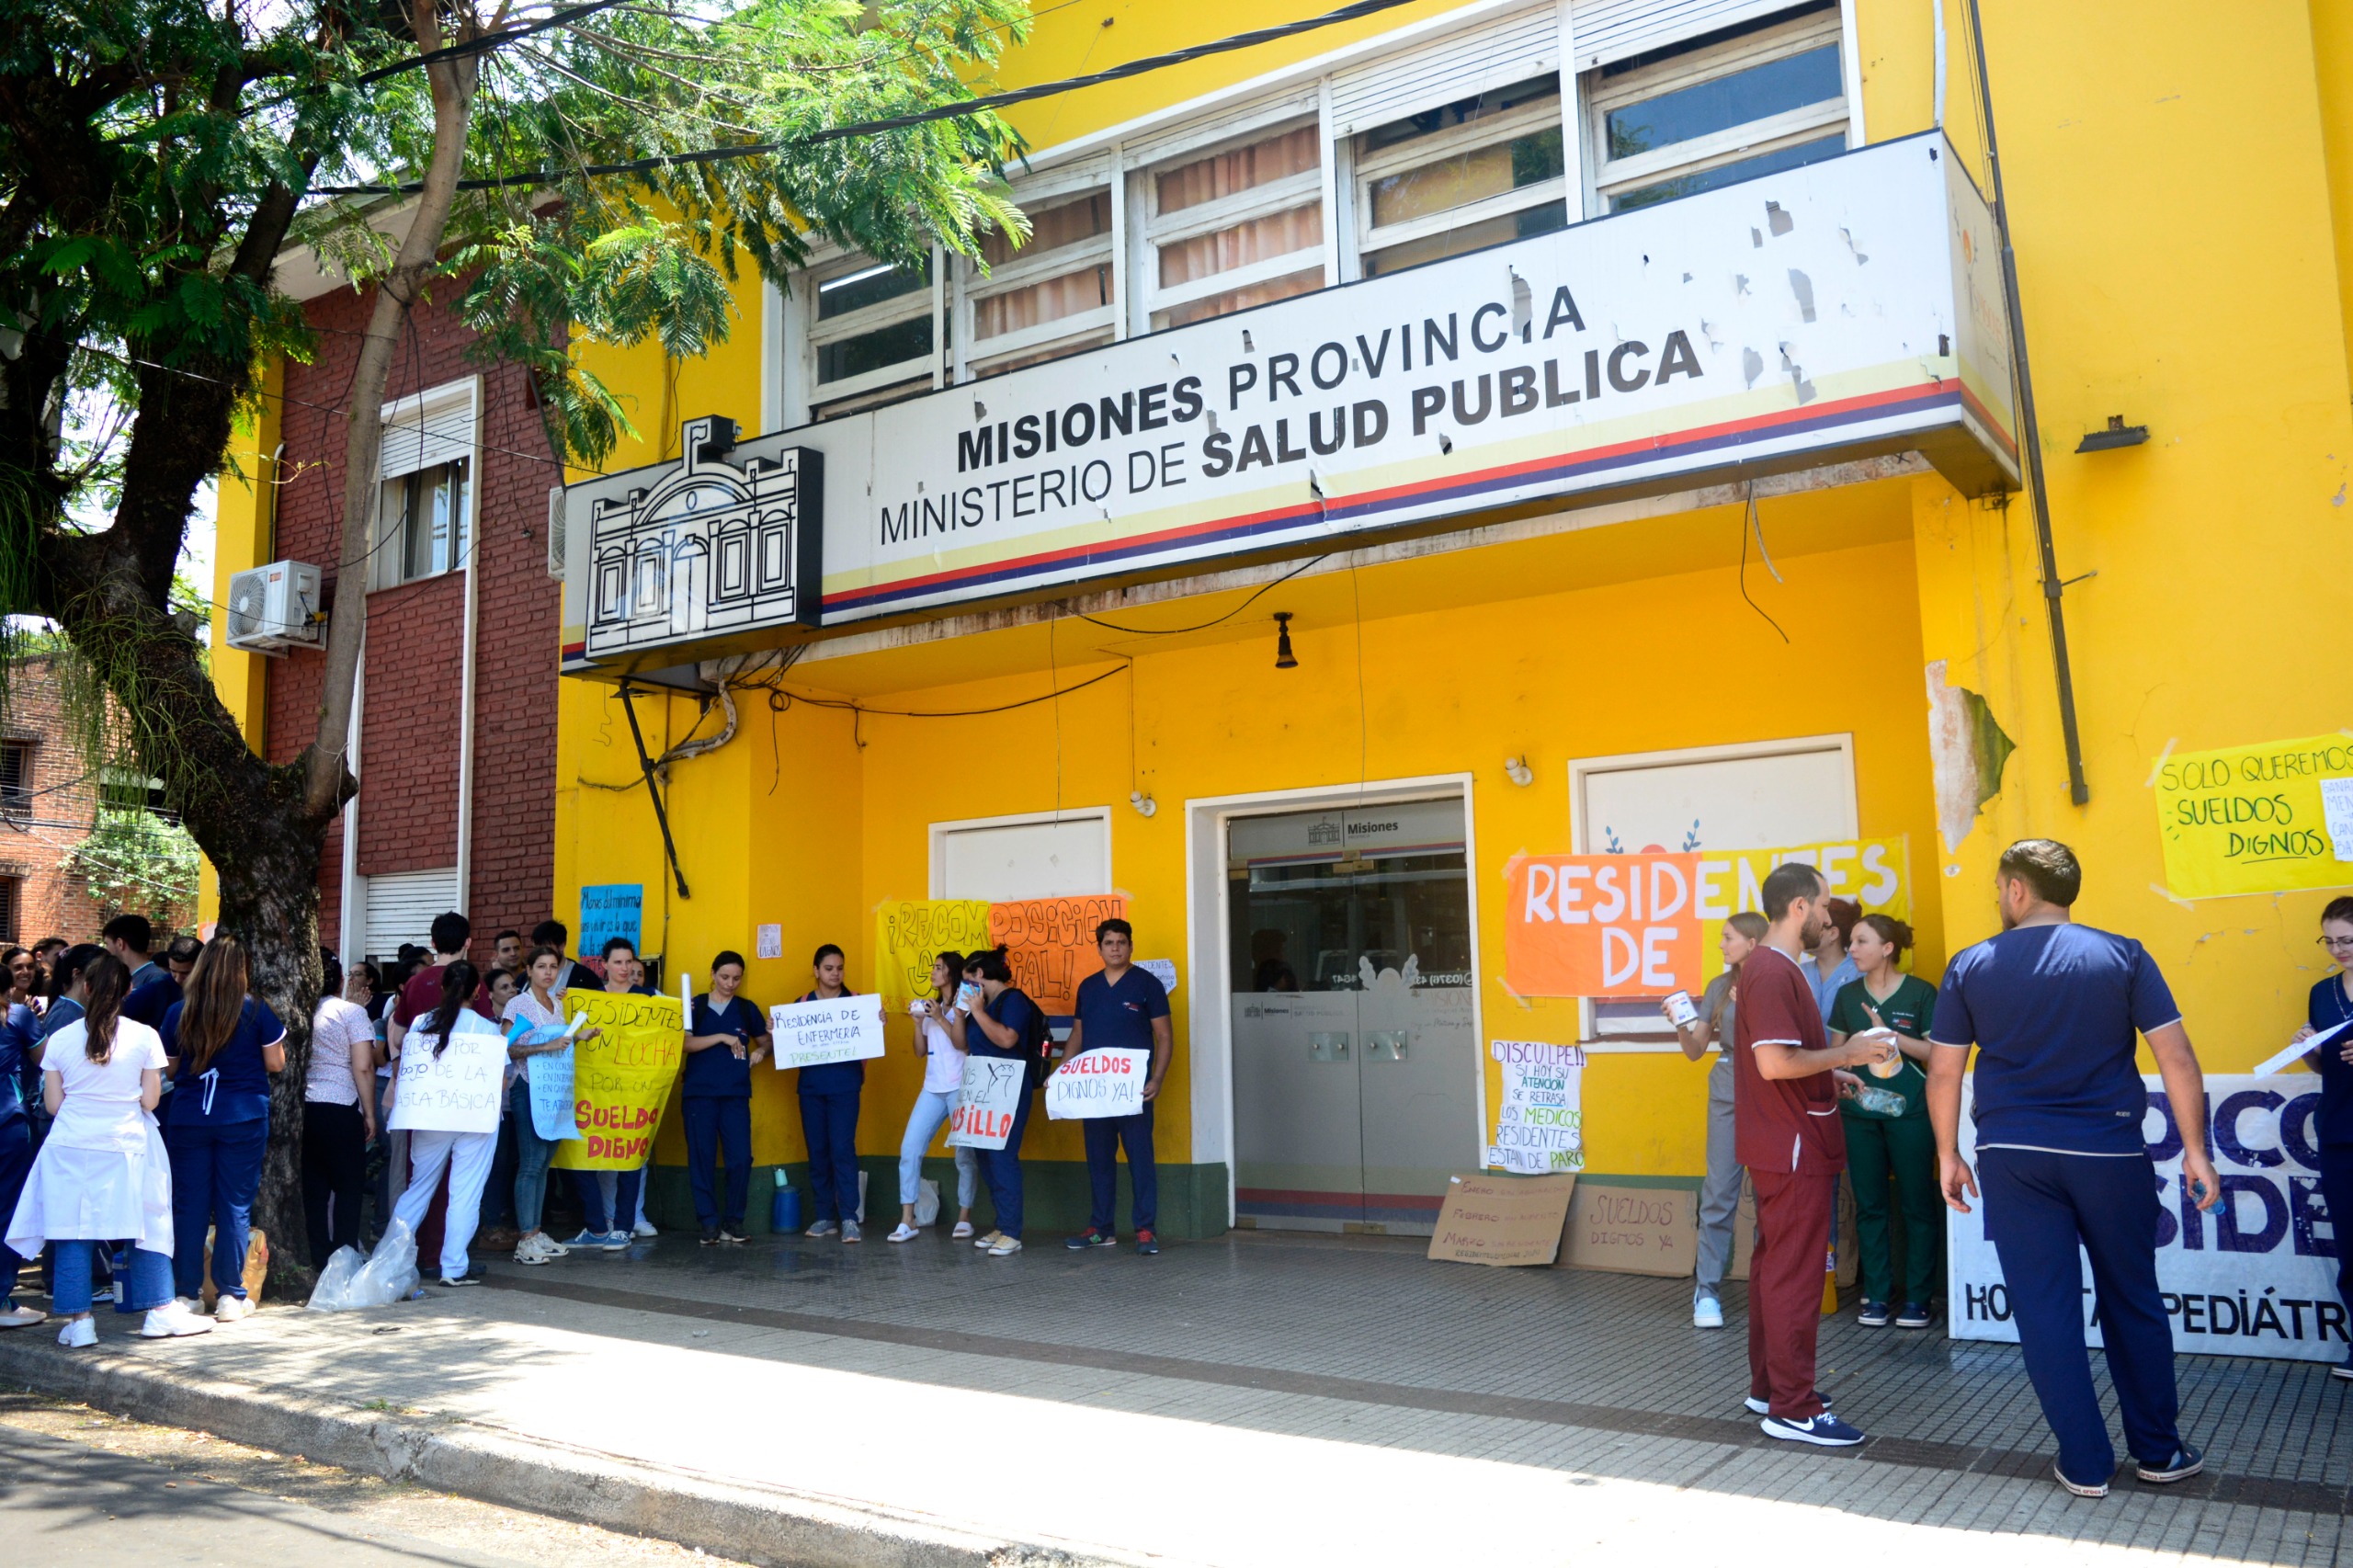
{"x": 457, "y": 983}
{"x": 109, "y": 982}
{"x": 989, "y": 964}
{"x": 1892, "y": 931}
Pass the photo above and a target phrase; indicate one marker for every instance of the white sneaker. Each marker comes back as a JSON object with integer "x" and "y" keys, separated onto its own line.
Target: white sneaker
{"x": 984, "y": 1243}
{"x": 552, "y": 1247}
{"x": 1706, "y": 1312}
{"x": 964, "y": 1232}
{"x": 173, "y": 1320}
{"x": 79, "y": 1334}
{"x": 231, "y": 1309}
{"x": 530, "y": 1250}
{"x": 644, "y": 1231}
{"x": 22, "y": 1317}
{"x": 1005, "y": 1247}
{"x": 905, "y": 1232}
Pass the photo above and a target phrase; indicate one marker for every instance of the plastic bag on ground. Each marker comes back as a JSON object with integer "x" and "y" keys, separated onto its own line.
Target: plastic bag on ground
{"x": 927, "y": 1203}
{"x": 385, "y": 1276}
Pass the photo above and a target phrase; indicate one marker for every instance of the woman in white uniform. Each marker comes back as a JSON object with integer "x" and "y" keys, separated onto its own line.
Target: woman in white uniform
{"x": 102, "y": 1175}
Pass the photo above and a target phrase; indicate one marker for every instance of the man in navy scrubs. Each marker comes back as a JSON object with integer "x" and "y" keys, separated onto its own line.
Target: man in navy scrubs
{"x": 1124, "y": 1006}
{"x": 2053, "y": 1007}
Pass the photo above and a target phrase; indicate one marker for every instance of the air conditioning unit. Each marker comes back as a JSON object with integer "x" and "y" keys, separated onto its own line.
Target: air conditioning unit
{"x": 274, "y": 607}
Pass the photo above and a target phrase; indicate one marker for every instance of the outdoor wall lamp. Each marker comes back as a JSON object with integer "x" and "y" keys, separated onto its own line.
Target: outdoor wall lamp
{"x": 1142, "y": 801}
{"x": 2117, "y": 434}
{"x": 1284, "y": 658}
{"x": 1515, "y": 769}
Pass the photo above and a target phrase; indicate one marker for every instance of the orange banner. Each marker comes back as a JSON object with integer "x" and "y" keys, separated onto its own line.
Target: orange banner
{"x": 1049, "y": 944}
{"x": 1602, "y": 925}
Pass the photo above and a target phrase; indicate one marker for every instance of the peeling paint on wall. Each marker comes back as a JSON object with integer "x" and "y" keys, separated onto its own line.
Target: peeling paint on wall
{"x": 1967, "y": 753}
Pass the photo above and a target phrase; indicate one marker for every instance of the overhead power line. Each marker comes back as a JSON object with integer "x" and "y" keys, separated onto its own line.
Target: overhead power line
{"x": 958, "y": 110}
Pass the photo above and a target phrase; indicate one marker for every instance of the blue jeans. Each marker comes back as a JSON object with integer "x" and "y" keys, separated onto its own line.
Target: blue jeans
{"x": 830, "y": 1124}
{"x": 16, "y": 1161}
{"x": 150, "y": 1284}
{"x": 216, "y": 1170}
{"x": 923, "y": 1125}
{"x": 1002, "y": 1167}
{"x": 533, "y": 1153}
{"x": 1104, "y": 1134}
{"x": 714, "y": 1123}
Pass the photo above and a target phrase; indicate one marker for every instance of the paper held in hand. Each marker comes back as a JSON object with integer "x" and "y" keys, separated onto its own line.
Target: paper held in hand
{"x": 2333, "y": 1038}
{"x": 1093, "y": 1083}
{"x": 985, "y": 1106}
{"x": 458, "y": 1090}
{"x": 813, "y": 1034}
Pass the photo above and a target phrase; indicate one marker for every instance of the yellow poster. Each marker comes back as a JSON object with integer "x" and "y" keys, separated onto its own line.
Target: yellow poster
{"x": 622, "y": 1077}
{"x": 1874, "y": 872}
{"x": 2256, "y": 819}
{"x": 911, "y": 932}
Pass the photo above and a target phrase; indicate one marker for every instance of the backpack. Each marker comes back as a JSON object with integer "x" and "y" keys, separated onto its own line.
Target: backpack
{"x": 1036, "y": 1038}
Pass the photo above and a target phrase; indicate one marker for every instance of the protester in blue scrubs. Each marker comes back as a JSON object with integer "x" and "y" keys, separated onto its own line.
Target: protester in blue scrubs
{"x": 149, "y": 1001}
{"x": 20, "y": 1042}
{"x": 2053, "y": 1007}
{"x": 1121, "y": 1007}
{"x": 726, "y": 1038}
{"x": 992, "y": 1018}
{"x": 829, "y": 1095}
{"x": 2331, "y": 1008}
{"x": 224, "y": 1045}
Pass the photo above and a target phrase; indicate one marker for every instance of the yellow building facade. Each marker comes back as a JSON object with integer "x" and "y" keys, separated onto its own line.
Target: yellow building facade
{"x": 1757, "y": 555}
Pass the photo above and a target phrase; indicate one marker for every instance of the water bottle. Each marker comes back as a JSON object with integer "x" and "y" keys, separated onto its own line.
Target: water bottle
{"x": 1879, "y": 1101}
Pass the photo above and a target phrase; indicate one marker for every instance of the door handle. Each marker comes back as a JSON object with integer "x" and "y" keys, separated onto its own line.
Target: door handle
{"x": 1327, "y": 1047}
{"x": 1392, "y": 1042}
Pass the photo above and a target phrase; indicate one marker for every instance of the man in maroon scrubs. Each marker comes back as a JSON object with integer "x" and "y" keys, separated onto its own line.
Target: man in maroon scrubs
{"x": 1787, "y": 1078}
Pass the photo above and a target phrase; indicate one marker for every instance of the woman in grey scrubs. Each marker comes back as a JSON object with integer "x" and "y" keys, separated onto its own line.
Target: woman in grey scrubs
{"x": 1720, "y": 1194}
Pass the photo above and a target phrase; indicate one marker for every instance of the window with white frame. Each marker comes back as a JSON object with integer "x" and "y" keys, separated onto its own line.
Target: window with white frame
{"x": 1745, "y": 101}
{"x": 1054, "y": 293}
{"x": 1461, "y": 177}
{"x": 1234, "y": 227}
{"x": 424, "y": 497}
{"x": 869, "y": 335}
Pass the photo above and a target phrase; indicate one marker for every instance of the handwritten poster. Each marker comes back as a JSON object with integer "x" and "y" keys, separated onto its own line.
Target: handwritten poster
{"x": 911, "y": 932}
{"x": 1874, "y": 872}
{"x": 2256, "y": 819}
{"x": 813, "y": 1034}
{"x": 608, "y": 909}
{"x": 1049, "y": 944}
{"x": 1109, "y": 1082}
{"x": 621, "y": 1078}
{"x": 983, "y": 1115}
{"x": 1601, "y": 924}
{"x": 458, "y": 1090}
{"x": 1539, "y": 1128}
{"x": 555, "y": 1110}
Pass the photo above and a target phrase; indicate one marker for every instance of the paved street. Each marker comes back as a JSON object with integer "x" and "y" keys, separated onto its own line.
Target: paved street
{"x": 1269, "y": 1399}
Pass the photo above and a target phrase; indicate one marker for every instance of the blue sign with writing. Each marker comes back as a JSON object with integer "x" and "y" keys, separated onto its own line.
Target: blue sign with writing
{"x": 609, "y": 910}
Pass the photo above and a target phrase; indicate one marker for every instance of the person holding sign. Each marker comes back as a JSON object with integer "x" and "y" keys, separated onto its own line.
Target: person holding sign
{"x": 2052, "y": 1008}
{"x": 535, "y": 1014}
{"x": 465, "y": 1154}
{"x": 1121, "y": 1007}
{"x": 2329, "y": 1013}
{"x": 1717, "y": 1013}
{"x": 1880, "y": 1141}
{"x": 829, "y": 1095}
{"x": 609, "y": 1199}
{"x": 943, "y": 1076}
{"x": 726, "y": 1036}
{"x": 225, "y": 1045}
{"x": 1788, "y": 1079}
{"x": 994, "y": 1020}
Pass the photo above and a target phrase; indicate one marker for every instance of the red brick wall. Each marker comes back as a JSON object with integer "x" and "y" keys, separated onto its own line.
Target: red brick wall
{"x": 51, "y": 903}
{"x": 409, "y": 750}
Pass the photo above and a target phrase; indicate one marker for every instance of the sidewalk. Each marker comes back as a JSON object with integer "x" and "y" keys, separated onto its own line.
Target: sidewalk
{"x": 1259, "y": 1399}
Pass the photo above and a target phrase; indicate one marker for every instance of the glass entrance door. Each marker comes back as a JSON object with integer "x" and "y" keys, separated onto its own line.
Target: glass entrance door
{"x": 1355, "y": 1059}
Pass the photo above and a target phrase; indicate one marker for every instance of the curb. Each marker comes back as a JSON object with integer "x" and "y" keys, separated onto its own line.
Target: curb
{"x": 746, "y": 1521}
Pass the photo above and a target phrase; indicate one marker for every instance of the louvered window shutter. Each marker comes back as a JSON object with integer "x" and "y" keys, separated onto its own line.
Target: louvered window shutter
{"x": 1607, "y": 31}
{"x": 442, "y": 431}
{"x": 1507, "y": 48}
{"x": 403, "y": 906}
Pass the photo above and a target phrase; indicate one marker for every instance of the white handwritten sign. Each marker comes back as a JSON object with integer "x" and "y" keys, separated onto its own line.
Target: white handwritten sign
{"x": 1109, "y": 1082}
{"x": 458, "y": 1090}
{"x": 813, "y": 1034}
{"x": 985, "y": 1107}
{"x": 1540, "y": 1125}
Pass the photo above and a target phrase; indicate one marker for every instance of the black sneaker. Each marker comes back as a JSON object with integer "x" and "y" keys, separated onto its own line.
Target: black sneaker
{"x": 731, "y": 1236}
{"x": 1874, "y": 1316}
{"x": 1147, "y": 1245}
{"x": 2184, "y": 1462}
{"x": 1914, "y": 1314}
{"x": 709, "y": 1236}
{"x": 470, "y": 1278}
{"x": 1824, "y": 1430}
{"x": 1090, "y": 1238}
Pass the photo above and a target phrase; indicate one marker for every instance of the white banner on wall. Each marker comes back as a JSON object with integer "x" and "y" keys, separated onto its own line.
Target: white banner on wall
{"x": 2254, "y": 1276}
{"x": 1540, "y": 1126}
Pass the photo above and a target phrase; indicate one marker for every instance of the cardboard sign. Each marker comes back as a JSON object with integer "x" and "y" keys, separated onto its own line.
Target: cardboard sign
{"x": 622, "y": 1078}
{"x": 983, "y": 1115}
{"x": 1540, "y": 1126}
{"x": 2255, "y": 1275}
{"x": 1601, "y": 925}
{"x": 1633, "y": 1230}
{"x": 813, "y": 1034}
{"x": 2268, "y": 818}
{"x": 1107, "y": 1081}
{"x": 1509, "y": 1221}
{"x": 1050, "y": 943}
{"x": 909, "y": 933}
{"x": 458, "y": 1090}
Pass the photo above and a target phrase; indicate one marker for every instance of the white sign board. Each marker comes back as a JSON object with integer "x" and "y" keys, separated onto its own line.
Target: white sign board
{"x": 983, "y": 1115}
{"x": 2254, "y": 1276}
{"x": 1161, "y": 970}
{"x": 1539, "y": 1128}
{"x": 1109, "y": 1082}
{"x": 458, "y": 1090}
{"x": 813, "y": 1034}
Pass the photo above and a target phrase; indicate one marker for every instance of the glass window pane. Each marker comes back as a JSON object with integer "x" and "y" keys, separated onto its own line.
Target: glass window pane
{"x": 847, "y": 357}
{"x": 1728, "y": 173}
{"x": 1234, "y": 300}
{"x": 1467, "y": 176}
{"x": 1223, "y": 250}
{"x": 1037, "y": 303}
{"x": 1462, "y": 111}
{"x": 869, "y": 285}
{"x": 1244, "y": 168}
{"x": 1053, "y": 228}
{"x": 416, "y": 532}
{"x": 1703, "y": 108}
{"x": 1543, "y": 220}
